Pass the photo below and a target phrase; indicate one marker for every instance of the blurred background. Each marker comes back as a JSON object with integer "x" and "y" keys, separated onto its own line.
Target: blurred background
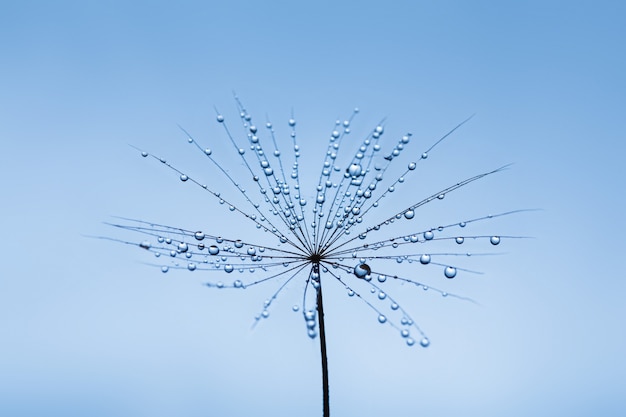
{"x": 87, "y": 328}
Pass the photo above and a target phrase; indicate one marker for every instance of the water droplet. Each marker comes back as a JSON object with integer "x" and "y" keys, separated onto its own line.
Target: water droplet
{"x": 429, "y": 235}
{"x": 404, "y": 333}
{"x": 183, "y": 247}
{"x": 238, "y": 244}
{"x": 183, "y": 177}
{"x": 425, "y": 342}
{"x": 410, "y": 341}
{"x": 382, "y": 295}
{"x": 312, "y": 333}
{"x": 382, "y": 318}
{"x": 441, "y": 196}
{"x": 144, "y": 154}
{"x": 495, "y": 240}
{"x": 394, "y": 306}
{"x": 354, "y": 170}
{"x": 199, "y": 235}
{"x": 462, "y": 224}
{"x": 220, "y": 118}
{"x": 412, "y": 166}
{"x": 409, "y": 214}
{"x": 450, "y": 272}
{"x": 207, "y": 151}
{"x": 191, "y": 266}
{"x": 350, "y": 293}
{"x": 459, "y": 240}
{"x": 295, "y": 307}
{"x": 362, "y": 270}
{"x": 228, "y": 268}
{"x": 164, "y": 269}
{"x": 382, "y": 278}
{"x": 214, "y": 250}
{"x": 145, "y": 245}
{"x": 251, "y": 251}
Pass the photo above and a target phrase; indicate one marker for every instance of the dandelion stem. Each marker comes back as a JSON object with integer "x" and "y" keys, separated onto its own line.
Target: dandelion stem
{"x": 320, "y": 314}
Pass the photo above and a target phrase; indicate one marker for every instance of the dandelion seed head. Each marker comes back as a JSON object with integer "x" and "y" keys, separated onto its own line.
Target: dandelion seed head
{"x": 313, "y": 234}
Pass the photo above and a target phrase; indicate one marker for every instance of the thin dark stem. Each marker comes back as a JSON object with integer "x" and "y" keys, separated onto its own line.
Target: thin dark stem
{"x": 320, "y": 314}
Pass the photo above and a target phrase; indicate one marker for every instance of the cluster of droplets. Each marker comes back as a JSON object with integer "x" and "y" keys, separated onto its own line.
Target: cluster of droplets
{"x": 315, "y": 243}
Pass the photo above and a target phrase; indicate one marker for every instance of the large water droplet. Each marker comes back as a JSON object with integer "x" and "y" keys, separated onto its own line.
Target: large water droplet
{"x": 228, "y": 268}
{"x": 459, "y": 240}
{"x": 191, "y": 266}
{"x": 425, "y": 342}
{"x": 220, "y": 118}
{"x": 164, "y": 269}
{"x": 354, "y": 170}
{"x": 450, "y": 272}
{"x": 145, "y": 245}
{"x": 428, "y": 235}
{"x": 183, "y": 247}
{"x": 495, "y": 240}
{"x": 409, "y": 214}
{"x": 361, "y": 270}
{"x": 214, "y": 250}
{"x": 382, "y": 318}
{"x": 199, "y": 235}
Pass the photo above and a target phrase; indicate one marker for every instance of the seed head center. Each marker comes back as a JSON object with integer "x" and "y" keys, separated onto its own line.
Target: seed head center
{"x": 315, "y": 258}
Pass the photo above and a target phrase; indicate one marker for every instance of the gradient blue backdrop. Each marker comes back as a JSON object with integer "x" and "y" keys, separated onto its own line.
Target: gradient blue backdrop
{"x": 87, "y": 329}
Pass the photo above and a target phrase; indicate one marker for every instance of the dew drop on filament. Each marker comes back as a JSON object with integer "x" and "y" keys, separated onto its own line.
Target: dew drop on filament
{"x": 450, "y": 272}
{"x": 362, "y": 270}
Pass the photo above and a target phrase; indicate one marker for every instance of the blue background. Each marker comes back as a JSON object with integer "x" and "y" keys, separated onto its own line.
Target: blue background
{"x": 88, "y": 329}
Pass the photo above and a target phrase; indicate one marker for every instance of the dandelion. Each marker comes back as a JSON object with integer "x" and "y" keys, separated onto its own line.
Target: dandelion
{"x": 337, "y": 231}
